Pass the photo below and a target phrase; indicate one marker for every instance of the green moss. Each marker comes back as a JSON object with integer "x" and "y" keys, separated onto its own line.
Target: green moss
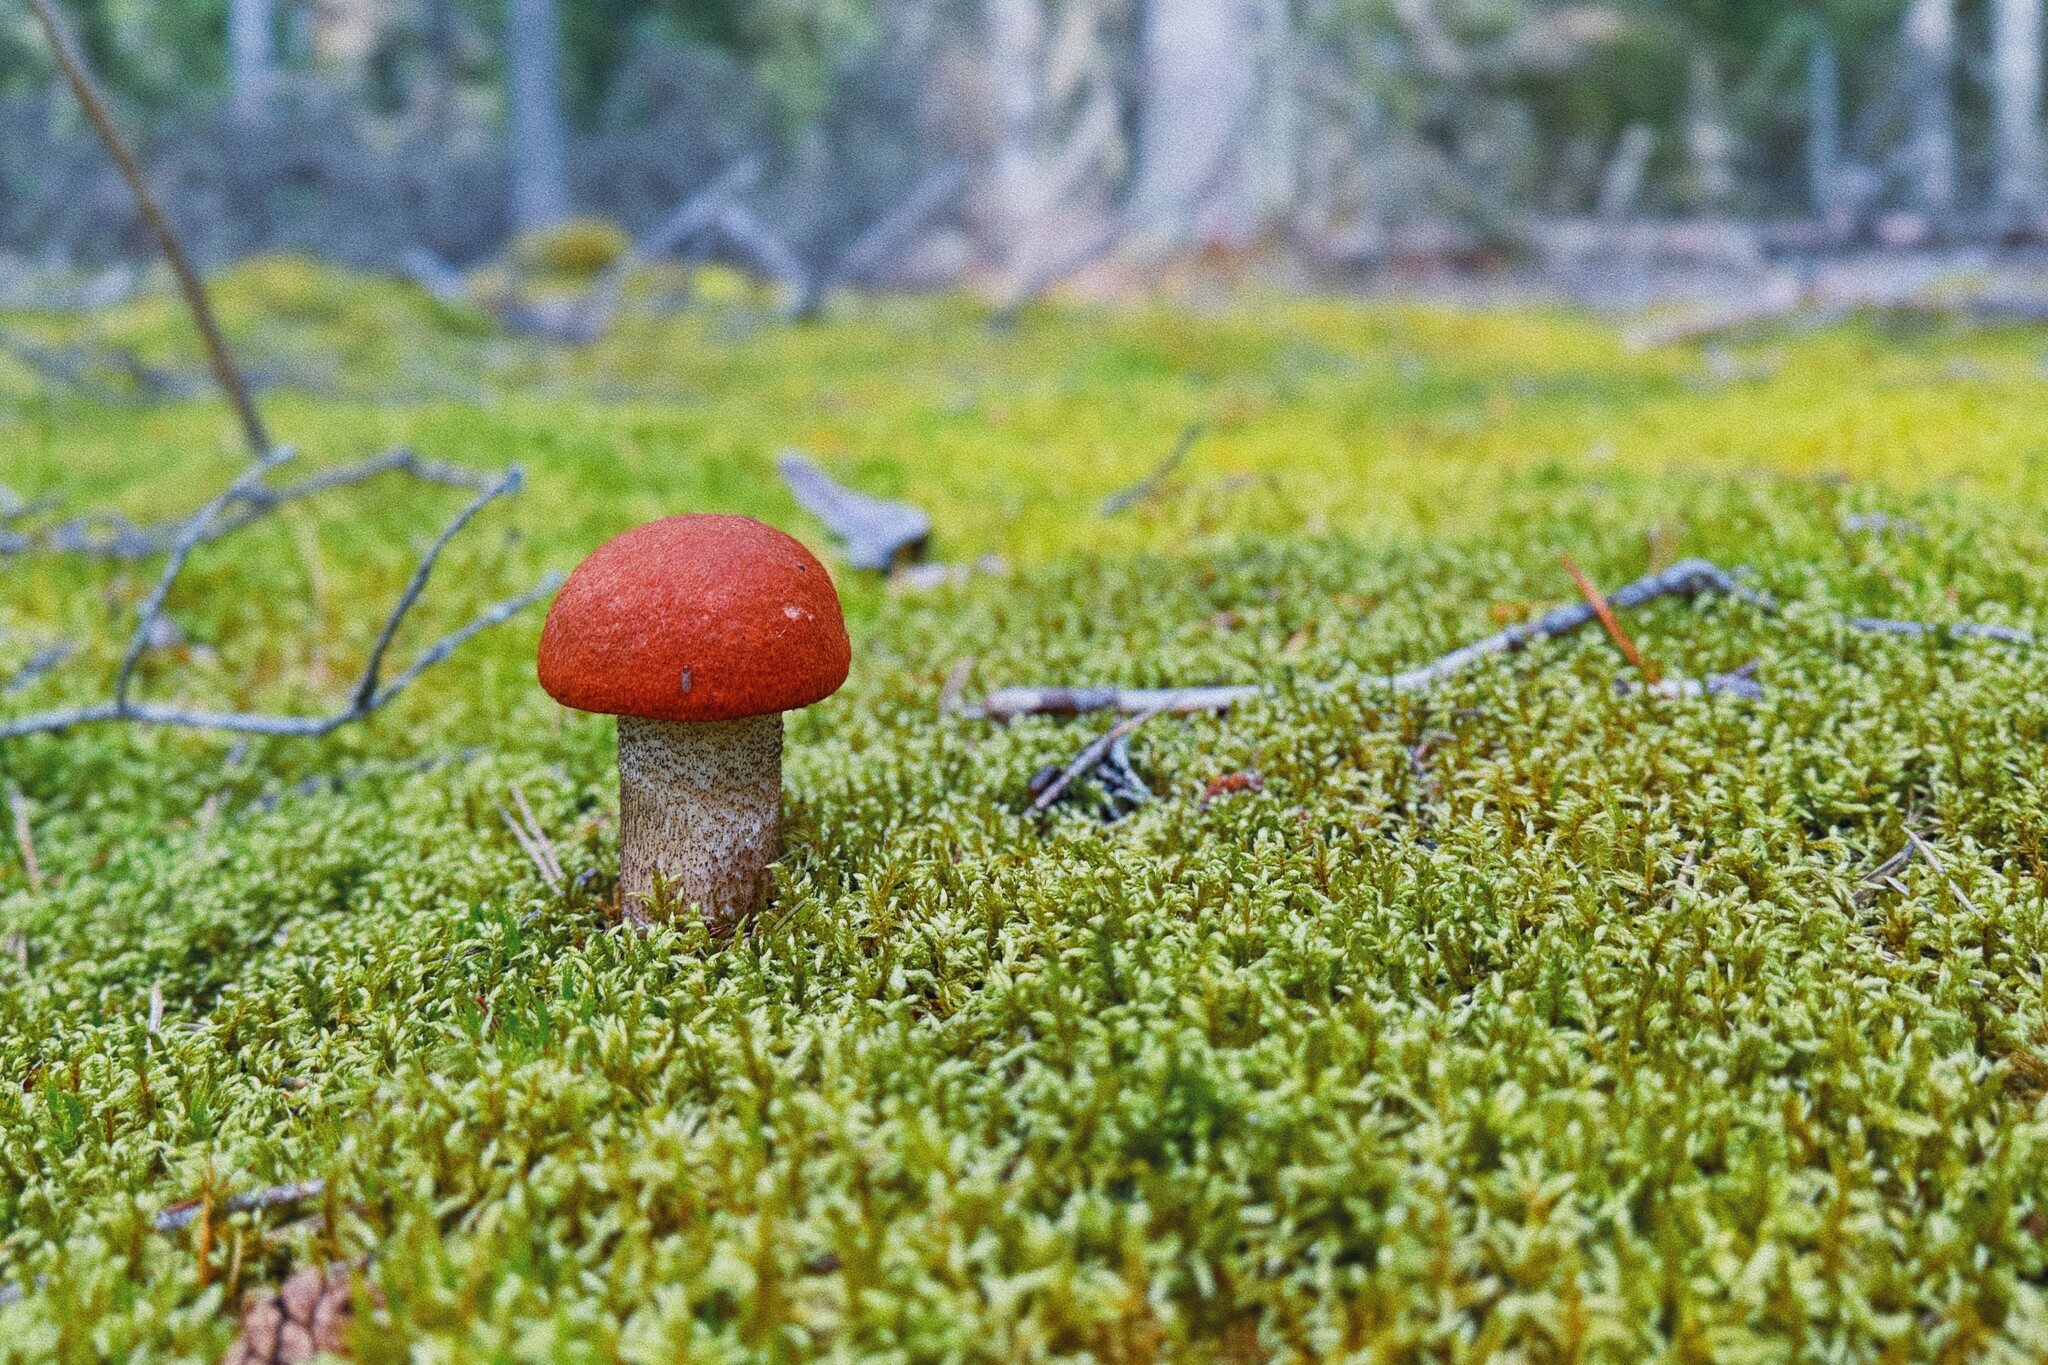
{"x": 1520, "y": 1020}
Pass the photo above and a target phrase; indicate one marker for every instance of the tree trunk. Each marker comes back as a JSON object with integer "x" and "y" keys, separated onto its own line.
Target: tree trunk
{"x": 250, "y": 48}
{"x": 1014, "y": 47}
{"x": 2016, "y": 108}
{"x": 540, "y": 193}
{"x": 1200, "y": 100}
{"x": 1930, "y": 42}
{"x": 1823, "y": 124}
{"x": 1709, "y": 141}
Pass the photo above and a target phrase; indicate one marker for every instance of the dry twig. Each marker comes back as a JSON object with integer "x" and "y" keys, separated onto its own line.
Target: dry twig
{"x": 183, "y": 1214}
{"x": 1097, "y": 750}
{"x": 87, "y": 93}
{"x": 1960, "y": 630}
{"x": 875, "y": 531}
{"x": 370, "y": 694}
{"x": 534, "y": 840}
{"x": 1147, "y": 486}
{"x": 25, "y": 839}
{"x": 1687, "y": 578}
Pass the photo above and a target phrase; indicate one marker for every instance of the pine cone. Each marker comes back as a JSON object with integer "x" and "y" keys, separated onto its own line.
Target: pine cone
{"x": 309, "y": 1315}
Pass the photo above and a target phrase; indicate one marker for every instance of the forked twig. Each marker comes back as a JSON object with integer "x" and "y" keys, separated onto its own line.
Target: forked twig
{"x": 109, "y": 535}
{"x": 1085, "y": 763}
{"x": 1147, "y": 486}
{"x": 369, "y": 694}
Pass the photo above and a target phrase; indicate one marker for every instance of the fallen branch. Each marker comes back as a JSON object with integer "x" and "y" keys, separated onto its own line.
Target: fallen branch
{"x": 1147, "y": 486}
{"x": 738, "y": 225}
{"x": 534, "y": 840}
{"x": 73, "y": 368}
{"x": 1960, "y": 630}
{"x": 369, "y": 695}
{"x": 87, "y": 92}
{"x": 184, "y": 1214}
{"x": 1687, "y": 578}
{"x": 109, "y": 535}
{"x": 876, "y": 532}
{"x": 39, "y": 663}
{"x": 25, "y": 839}
{"x": 1097, "y": 750}
{"x": 1011, "y": 702}
{"x": 590, "y": 316}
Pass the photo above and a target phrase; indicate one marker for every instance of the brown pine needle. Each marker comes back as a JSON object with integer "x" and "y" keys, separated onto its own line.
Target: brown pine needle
{"x": 1598, "y": 603}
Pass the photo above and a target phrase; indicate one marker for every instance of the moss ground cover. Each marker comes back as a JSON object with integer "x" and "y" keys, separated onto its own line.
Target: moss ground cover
{"x": 1522, "y": 1020}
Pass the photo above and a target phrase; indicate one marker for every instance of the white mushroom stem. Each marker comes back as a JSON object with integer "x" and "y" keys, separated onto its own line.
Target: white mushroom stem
{"x": 700, "y": 809}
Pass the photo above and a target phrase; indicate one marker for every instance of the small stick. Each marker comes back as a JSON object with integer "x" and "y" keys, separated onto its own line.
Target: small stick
{"x": 1096, "y": 751}
{"x": 540, "y": 836}
{"x": 1607, "y": 618}
{"x": 1687, "y": 578}
{"x": 955, "y": 686}
{"x": 25, "y": 839}
{"x": 1933, "y": 861}
{"x": 1010, "y": 702}
{"x": 156, "y": 1007}
{"x": 83, "y": 87}
{"x": 525, "y": 841}
{"x": 184, "y": 1214}
{"x": 1147, "y": 486}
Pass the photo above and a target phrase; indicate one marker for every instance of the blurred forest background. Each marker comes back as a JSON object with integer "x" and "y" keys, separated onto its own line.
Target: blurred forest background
{"x": 1012, "y": 144}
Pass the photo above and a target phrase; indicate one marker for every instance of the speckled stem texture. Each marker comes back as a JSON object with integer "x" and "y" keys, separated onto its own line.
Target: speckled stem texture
{"x": 700, "y": 805}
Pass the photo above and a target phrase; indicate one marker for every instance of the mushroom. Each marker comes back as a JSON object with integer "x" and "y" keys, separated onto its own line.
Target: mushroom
{"x": 697, "y": 632}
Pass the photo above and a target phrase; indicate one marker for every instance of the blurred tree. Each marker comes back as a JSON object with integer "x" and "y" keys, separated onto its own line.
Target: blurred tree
{"x": 251, "y": 44}
{"x": 2016, "y": 109}
{"x": 540, "y": 185}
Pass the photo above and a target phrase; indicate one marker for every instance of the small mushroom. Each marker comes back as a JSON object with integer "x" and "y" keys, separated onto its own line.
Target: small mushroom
{"x": 697, "y": 632}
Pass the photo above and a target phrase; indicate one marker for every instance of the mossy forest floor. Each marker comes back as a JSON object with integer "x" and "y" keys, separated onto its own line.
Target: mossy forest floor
{"x": 1518, "y": 1020}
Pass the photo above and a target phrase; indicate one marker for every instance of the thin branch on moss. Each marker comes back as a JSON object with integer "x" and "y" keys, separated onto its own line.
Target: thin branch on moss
{"x": 39, "y": 663}
{"x": 877, "y": 533}
{"x": 369, "y": 695}
{"x": 1150, "y": 484}
{"x": 183, "y": 1215}
{"x": 1960, "y": 630}
{"x": 87, "y": 92}
{"x": 109, "y": 535}
{"x": 1085, "y": 763}
{"x": 1687, "y": 578}
{"x": 25, "y": 839}
{"x": 1008, "y": 703}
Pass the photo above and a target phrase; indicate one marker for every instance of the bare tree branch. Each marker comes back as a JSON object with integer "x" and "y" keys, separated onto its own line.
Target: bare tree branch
{"x": 875, "y": 531}
{"x": 1687, "y": 578}
{"x": 367, "y": 697}
{"x": 87, "y": 92}
{"x": 108, "y": 535}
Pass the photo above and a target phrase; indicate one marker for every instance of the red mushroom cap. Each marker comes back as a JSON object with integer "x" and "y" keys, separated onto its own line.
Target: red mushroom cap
{"x": 696, "y": 617}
